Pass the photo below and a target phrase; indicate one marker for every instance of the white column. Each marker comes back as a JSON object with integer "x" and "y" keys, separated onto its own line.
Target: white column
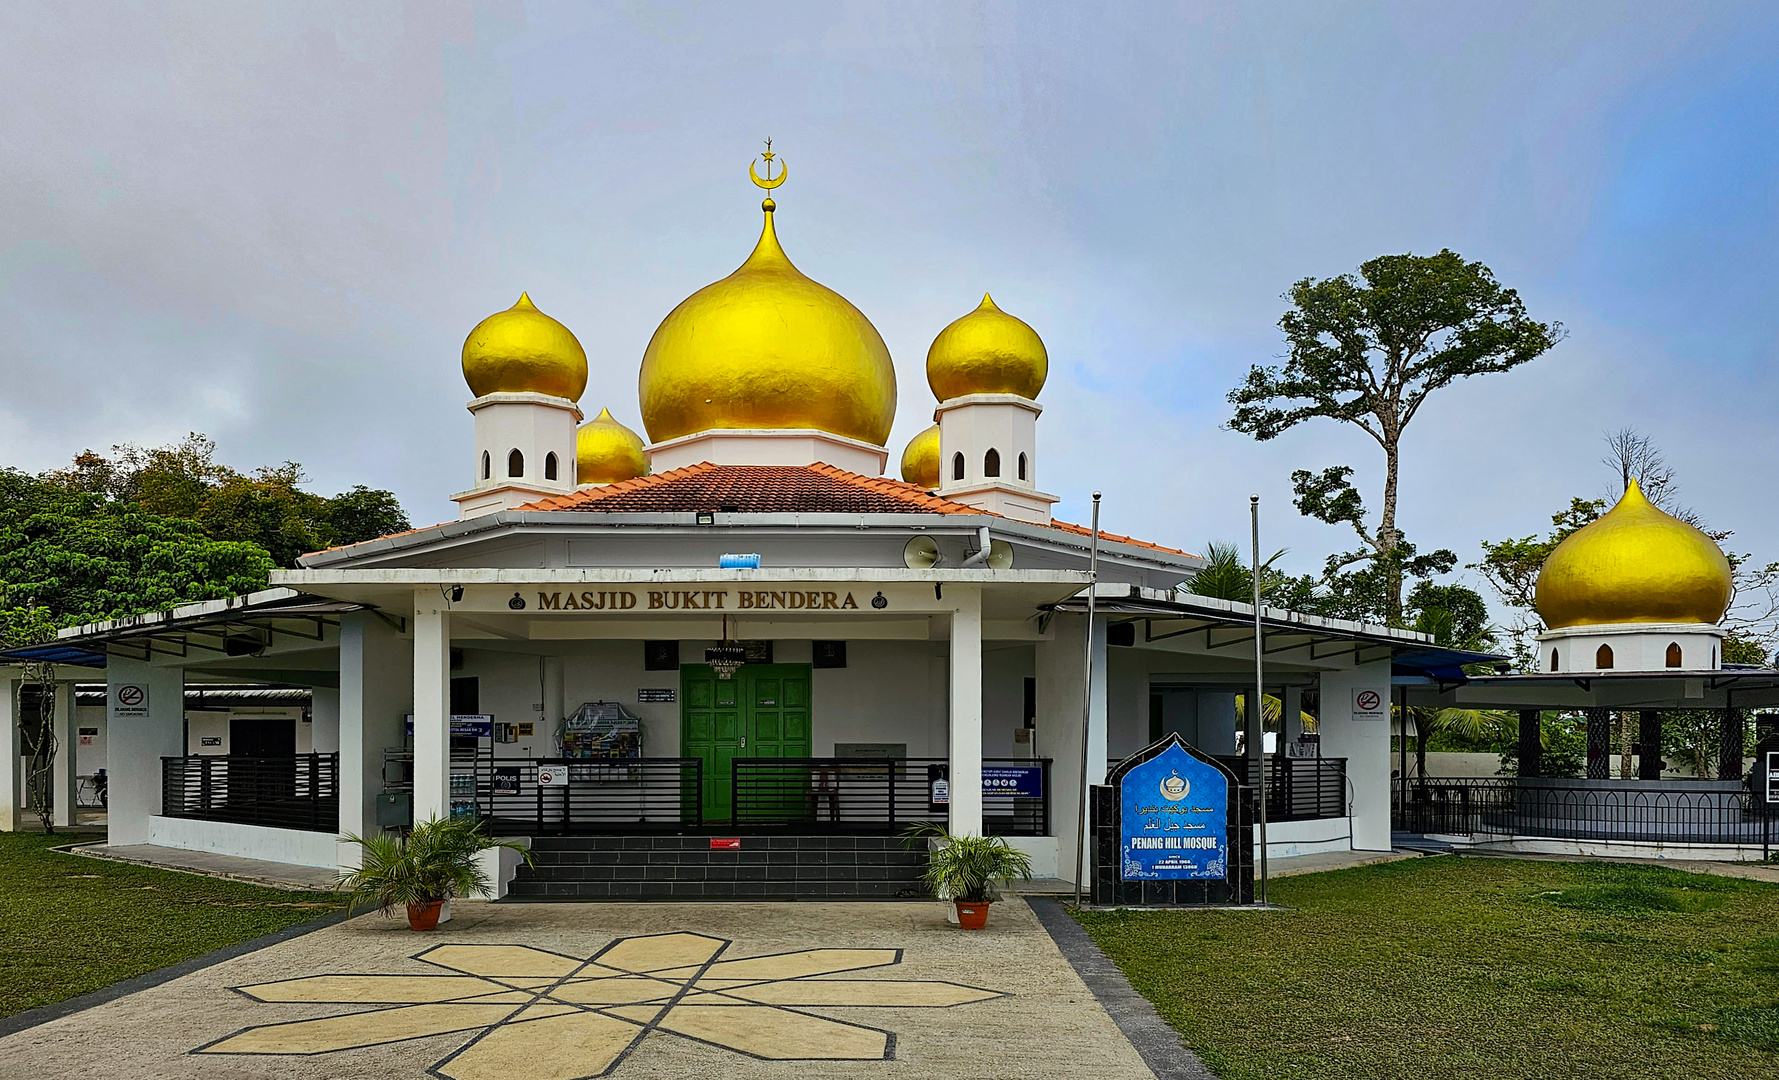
{"x": 966, "y": 711}
{"x": 64, "y": 785}
{"x": 1365, "y": 744}
{"x": 376, "y": 692}
{"x": 1061, "y": 714}
{"x": 135, "y": 744}
{"x": 1292, "y": 702}
{"x": 432, "y": 705}
{"x": 12, "y": 775}
{"x": 555, "y": 698}
{"x": 324, "y": 714}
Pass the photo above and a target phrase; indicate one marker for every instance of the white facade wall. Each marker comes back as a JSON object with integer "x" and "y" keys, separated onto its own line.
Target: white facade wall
{"x": 90, "y": 757}
{"x": 1062, "y": 709}
{"x": 12, "y": 766}
{"x": 141, "y": 741}
{"x": 1635, "y": 647}
{"x": 376, "y": 695}
{"x": 201, "y": 724}
{"x": 792, "y": 446}
{"x": 293, "y": 846}
{"x": 1366, "y": 746}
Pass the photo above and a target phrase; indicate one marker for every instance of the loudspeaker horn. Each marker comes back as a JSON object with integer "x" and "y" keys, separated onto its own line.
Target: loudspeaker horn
{"x": 1000, "y": 555}
{"x": 921, "y": 553}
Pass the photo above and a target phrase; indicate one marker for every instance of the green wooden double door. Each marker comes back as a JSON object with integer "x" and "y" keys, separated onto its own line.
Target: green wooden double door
{"x": 763, "y": 712}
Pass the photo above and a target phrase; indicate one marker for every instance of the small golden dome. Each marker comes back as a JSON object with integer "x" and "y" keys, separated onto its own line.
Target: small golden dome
{"x": 1635, "y": 564}
{"x": 766, "y": 347}
{"x": 920, "y": 462}
{"x": 987, "y": 352}
{"x": 522, "y": 349}
{"x": 606, "y": 452}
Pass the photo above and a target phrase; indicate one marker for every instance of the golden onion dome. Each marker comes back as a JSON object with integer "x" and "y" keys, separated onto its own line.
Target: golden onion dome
{"x": 987, "y": 352}
{"x": 1636, "y": 564}
{"x": 766, "y": 347}
{"x": 920, "y": 461}
{"x": 606, "y": 452}
{"x": 522, "y": 349}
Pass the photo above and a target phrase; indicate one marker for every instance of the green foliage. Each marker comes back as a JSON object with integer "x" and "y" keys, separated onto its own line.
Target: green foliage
{"x": 1367, "y": 351}
{"x": 1564, "y": 747}
{"x": 76, "y": 924}
{"x": 1226, "y": 575}
{"x": 147, "y": 529}
{"x": 1511, "y": 568}
{"x": 969, "y": 867}
{"x": 436, "y": 861}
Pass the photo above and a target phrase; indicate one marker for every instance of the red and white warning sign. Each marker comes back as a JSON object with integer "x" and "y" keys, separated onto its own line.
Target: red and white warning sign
{"x": 1368, "y": 705}
{"x": 130, "y": 699}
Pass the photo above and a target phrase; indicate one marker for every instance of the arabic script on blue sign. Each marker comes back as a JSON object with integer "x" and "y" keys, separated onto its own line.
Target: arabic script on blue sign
{"x": 1175, "y": 819}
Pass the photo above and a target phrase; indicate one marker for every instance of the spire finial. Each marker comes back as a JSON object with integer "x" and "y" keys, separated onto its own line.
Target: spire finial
{"x": 771, "y": 181}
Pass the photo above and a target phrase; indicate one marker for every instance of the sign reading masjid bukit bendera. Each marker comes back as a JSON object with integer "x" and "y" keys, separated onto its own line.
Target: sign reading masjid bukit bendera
{"x": 1175, "y": 819}
{"x": 698, "y": 600}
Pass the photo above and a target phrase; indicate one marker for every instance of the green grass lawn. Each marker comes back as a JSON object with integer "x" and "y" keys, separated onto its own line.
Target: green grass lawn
{"x": 69, "y": 925}
{"x": 1471, "y": 967}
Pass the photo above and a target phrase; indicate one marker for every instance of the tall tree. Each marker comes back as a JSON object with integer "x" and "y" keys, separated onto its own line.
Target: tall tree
{"x": 1368, "y": 351}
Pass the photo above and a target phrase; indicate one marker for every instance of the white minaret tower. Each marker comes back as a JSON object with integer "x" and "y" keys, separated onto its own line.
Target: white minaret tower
{"x": 986, "y": 370}
{"x": 527, "y": 371}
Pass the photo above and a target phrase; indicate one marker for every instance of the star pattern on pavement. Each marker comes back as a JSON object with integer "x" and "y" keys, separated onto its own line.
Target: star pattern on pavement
{"x": 549, "y": 1016}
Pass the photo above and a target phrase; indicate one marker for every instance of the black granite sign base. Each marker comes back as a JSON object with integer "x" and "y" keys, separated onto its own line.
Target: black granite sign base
{"x": 1111, "y": 890}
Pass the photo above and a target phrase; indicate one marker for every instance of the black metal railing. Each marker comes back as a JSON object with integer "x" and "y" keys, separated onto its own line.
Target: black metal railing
{"x": 589, "y": 796}
{"x": 1650, "y": 811}
{"x": 883, "y": 795}
{"x": 1297, "y": 789}
{"x": 301, "y": 792}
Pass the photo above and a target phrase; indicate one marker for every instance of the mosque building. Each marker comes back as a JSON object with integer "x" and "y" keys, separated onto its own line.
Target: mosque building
{"x": 731, "y": 625}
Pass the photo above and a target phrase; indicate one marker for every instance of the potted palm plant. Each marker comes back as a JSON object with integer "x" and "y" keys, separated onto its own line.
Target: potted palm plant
{"x": 970, "y": 870}
{"x": 423, "y": 870}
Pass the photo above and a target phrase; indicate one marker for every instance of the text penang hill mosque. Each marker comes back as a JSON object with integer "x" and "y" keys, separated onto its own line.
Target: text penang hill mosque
{"x": 735, "y": 625}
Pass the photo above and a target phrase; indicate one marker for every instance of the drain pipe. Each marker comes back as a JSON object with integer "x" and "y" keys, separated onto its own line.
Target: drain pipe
{"x": 981, "y": 554}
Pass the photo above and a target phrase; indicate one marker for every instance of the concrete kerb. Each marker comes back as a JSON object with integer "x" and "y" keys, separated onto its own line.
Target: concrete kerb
{"x": 99, "y": 850}
{"x": 1158, "y": 1044}
{"x": 43, "y": 1014}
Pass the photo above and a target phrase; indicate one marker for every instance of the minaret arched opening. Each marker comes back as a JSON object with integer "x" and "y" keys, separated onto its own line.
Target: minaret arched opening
{"x": 1674, "y": 657}
{"x": 1603, "y": 657}
{"x": 487, "y": 466}
{"x": 991, "y": 462}
{"x": 515, "y": 463}
{"x": 957, "y": 466}
{"x": 550, "y": 465}
{"x": 1022, "y": 475}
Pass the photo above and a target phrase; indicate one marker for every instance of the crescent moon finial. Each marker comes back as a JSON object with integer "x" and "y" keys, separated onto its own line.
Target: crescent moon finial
{"x": 771, "y": 181}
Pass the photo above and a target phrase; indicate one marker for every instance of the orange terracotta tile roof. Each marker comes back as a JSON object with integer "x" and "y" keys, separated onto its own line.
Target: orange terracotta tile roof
{"x": 757, "y": 489}
{"x": 776, "y": 489}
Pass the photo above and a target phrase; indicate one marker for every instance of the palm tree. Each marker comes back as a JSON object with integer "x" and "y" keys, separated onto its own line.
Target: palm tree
{"x": 1473, "y": 725}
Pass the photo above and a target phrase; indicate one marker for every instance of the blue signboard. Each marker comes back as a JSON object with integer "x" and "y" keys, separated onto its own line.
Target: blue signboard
{"x": 466, "y": 725}
{"x": 1018, "y": 781}
{"x": 1175, "y": 819}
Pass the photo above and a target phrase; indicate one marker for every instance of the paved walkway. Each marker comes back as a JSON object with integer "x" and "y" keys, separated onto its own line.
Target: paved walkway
{"x": 258, "y": 872}
{"x": 561, "y": 991}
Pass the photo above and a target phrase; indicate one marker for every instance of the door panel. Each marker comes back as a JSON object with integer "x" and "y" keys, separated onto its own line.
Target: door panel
{"x": 710, "y": 729}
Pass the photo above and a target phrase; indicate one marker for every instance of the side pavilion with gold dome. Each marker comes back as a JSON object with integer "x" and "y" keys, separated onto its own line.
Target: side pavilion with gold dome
{"x": 711, "y": 613}
{"x": 1633, "y": 606}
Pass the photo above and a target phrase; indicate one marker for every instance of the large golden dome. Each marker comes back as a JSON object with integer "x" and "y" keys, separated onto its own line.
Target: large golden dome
{"x": 606, "y": 452}
{"x": 920, "y": 461}
{"x": 522, "y": 349}
{"x": 987, "y": 352}
{"x": 1636, "y": 564}
{"x": 767, "y": 347}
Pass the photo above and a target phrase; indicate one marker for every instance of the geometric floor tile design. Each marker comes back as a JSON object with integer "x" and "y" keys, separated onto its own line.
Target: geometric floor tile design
{"x": 546, "y": 1016}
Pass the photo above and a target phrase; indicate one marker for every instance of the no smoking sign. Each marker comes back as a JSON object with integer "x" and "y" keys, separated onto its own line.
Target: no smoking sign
{"x": 130, "y": 699}
{"x": 1368, "y": 705}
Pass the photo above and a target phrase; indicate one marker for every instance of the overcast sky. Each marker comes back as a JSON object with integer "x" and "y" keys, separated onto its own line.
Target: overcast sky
{"x": 275, "y": 224}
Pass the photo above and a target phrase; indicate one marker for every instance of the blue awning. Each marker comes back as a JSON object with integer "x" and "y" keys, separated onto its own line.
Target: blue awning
{"x": 55, "y": 654}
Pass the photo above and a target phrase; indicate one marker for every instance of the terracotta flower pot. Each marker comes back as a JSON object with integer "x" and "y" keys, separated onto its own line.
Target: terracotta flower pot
{"x": 971, "y": 914}
{"x": 424, "y": 916}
